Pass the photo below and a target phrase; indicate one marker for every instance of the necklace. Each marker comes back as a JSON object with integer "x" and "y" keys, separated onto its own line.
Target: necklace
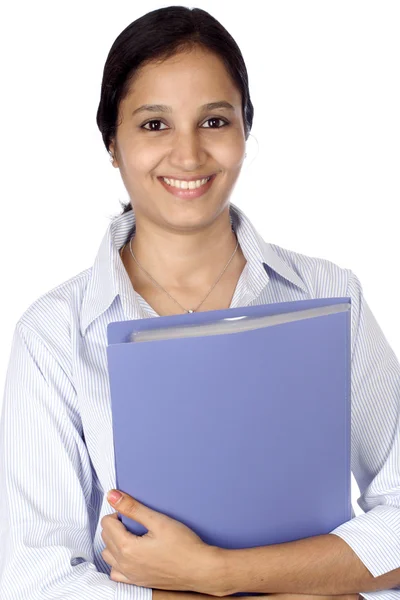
{"x": 160, "y": 286}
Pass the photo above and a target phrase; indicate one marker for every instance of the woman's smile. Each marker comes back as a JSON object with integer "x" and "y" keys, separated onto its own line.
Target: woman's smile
{"x": 188, "y": 193}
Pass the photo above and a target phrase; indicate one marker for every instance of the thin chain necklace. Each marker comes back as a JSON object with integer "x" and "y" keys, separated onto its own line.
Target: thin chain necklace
{"x": 160, "y": 286}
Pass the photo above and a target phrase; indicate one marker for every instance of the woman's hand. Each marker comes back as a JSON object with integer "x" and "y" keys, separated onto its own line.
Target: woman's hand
{"x": 170, "y": 556}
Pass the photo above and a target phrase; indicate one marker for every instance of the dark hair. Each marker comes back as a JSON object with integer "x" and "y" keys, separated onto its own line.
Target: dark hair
{"x": 158, "y": 35}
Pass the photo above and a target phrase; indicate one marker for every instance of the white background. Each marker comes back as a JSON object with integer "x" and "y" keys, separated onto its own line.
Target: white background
{"x": 322, "y": 172}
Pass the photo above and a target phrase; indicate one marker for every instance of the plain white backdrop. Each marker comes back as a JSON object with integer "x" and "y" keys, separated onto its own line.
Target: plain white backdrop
{"x": 322, "y": 170}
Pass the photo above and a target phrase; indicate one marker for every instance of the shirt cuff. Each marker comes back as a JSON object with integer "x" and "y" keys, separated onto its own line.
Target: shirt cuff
{"x": 393, "y": 594}
{"x": 375, "y": 538}
{"x": 127, "y": 591}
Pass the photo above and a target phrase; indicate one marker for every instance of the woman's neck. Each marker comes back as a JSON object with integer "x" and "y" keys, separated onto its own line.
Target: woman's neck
{"x": 182, "y": 262}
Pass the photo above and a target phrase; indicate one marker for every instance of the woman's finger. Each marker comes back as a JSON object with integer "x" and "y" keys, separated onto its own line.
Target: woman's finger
{"x": 115, "y": 575}
{"x": 108, "y": 541}
{"x": 109, "y": 558}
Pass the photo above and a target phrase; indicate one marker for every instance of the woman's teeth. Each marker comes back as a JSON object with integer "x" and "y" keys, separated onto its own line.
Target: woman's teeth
{"x": 186, "y": 185}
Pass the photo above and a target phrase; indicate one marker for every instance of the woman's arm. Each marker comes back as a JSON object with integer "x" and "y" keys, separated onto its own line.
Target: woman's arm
{"x": 166, "y": 595}
{"x": 46, "y": 483}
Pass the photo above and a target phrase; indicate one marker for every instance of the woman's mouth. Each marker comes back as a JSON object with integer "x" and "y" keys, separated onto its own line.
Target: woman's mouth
{"x": 171, "y": 186}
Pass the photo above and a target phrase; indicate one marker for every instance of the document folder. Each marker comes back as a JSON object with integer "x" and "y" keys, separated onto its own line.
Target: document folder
{"x": 236, "y": 422}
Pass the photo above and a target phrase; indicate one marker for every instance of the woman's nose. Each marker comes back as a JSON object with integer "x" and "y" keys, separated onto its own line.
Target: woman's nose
{"x": 187, "y": 144}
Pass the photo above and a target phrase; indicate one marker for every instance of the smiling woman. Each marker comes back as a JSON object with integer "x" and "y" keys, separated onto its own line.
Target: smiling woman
{"x": 176, "y": 123}
{"x": 175, "y": 114}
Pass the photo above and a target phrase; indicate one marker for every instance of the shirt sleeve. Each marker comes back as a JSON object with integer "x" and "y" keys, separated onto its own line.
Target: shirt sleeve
{"x": 375, "y": 445}
{"x": 45, "y": 485}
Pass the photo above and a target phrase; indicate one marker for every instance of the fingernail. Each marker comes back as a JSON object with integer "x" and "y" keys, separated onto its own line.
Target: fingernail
{"x": 114, "y": 496}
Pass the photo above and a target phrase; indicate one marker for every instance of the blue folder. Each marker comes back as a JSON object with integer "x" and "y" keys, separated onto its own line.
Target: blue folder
{"x": 236, "y": 422}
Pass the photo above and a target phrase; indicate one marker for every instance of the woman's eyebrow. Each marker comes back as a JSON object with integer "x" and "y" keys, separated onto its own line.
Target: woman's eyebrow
{"x": 165, "y": 108}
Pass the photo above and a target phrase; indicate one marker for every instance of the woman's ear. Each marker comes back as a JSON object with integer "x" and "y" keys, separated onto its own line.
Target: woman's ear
{"x": 113, "y": 159}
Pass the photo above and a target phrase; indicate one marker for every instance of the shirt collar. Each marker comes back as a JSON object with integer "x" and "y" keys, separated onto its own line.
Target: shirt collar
{"x": 108, "y": 277}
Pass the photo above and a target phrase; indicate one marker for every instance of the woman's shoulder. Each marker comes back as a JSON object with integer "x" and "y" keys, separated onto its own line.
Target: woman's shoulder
{"x": 54, "y": 316}
{"x": 58, "y": 302}
{"x": 320, "y": 275}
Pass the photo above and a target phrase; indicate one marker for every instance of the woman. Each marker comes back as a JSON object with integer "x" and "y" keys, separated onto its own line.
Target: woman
{"x": 174, "y": 107}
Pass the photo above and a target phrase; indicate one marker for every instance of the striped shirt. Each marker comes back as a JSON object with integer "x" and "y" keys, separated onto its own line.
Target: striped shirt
{"x": 56, "y": 443}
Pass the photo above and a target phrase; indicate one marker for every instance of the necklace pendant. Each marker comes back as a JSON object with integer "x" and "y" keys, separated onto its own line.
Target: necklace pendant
{"x": 190, "y": 311}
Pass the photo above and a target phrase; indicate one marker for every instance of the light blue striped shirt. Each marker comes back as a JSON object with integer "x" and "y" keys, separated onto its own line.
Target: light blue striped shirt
{"x": 56, "y": 444}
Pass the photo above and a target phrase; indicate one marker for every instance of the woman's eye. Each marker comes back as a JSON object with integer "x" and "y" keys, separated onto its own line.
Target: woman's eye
{"x": 158, "y": 121}
{"x": 216, "y": 119}
{"x": 151, "y": 128}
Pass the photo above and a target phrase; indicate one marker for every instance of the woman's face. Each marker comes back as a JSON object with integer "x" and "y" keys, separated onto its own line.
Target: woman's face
{"x": 186, "y": 141}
